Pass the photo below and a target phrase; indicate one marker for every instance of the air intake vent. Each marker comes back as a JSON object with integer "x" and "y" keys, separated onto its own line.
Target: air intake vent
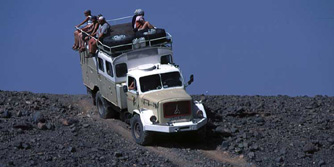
{"x": 175, "y": 109}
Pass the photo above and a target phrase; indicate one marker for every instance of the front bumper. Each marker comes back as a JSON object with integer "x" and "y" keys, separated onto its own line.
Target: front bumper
{"x": 176, "y": 127}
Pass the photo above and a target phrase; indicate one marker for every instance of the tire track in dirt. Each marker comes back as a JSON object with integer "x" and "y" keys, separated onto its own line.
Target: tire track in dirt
{"x": 178, "y": 154}
{"x": 225, "y": 157}
{"x": 122, "y": 129}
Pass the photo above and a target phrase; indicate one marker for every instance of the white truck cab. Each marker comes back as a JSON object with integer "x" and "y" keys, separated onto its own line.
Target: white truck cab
{"x": 157, "y": 94}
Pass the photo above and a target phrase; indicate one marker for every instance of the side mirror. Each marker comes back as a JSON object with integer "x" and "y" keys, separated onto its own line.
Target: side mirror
{"x": 125, "y": 89}
{"x": 175, "y": 65}
{"x": 191, "y": 79}
{"x": 202, "y": 98}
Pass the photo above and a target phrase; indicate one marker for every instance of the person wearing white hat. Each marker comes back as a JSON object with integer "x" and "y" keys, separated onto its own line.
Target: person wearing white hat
{"x": 139, "y": 22}
{"x": 102, "y": 32}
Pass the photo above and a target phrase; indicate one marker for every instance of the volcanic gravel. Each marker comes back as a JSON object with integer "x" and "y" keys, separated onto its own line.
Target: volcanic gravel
{"x": 64, "y": 130}
{"x": 274, "y": 130}
{"x": 47, "y": 130}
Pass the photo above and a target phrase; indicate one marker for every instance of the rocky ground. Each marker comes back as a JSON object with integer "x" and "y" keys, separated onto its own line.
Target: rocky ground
{"x": 276, "y": 130}
{"x": 65, "y": 130}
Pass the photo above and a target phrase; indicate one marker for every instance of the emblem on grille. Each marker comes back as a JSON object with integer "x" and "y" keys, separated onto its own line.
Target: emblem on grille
{"x": 177, "y": 111}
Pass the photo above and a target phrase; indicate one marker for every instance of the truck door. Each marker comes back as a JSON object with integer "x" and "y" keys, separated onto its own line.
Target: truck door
{"x": 132, "y": 95}
{"x": 100, "y": 78}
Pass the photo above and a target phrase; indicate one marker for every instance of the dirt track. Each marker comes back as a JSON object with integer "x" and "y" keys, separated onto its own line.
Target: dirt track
{"x": 179, "y": 151}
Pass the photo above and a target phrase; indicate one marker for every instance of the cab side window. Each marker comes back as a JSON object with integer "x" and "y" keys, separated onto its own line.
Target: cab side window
{"x": 109, "y": 69}
{"x": 121, "y": 70}
{"x": 132, "y": 85}
{"x": 166, "y": 59}
{"x": 100, "y": 64}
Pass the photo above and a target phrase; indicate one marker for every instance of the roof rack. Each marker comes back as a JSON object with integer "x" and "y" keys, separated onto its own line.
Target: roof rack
{"x": 141, "y": 42}
{"x": 116, "y": 50}
{"x": 120, "y": 18}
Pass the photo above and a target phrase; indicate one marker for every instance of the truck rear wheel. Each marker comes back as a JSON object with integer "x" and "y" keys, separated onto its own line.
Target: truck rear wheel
{"x": 103, "y": 107}
{"x": 141, "y": 137}
{"x": 92, "y": 94}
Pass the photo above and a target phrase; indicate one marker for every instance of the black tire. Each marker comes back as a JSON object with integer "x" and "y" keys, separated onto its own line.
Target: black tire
{"x": 103, "y": 107}
{"x": 201, "y": 133}
{"x": 92, "y": 95}
{"x": 141, "y": 137}
{"x": 158, "y": 34}
{"x": 125, "y": 117}
{"x": 110, "y": 41}
{"x": 199, "y": 136}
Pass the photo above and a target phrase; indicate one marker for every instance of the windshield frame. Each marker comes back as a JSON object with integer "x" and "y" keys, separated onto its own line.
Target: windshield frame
{"x": 161, "y": 87}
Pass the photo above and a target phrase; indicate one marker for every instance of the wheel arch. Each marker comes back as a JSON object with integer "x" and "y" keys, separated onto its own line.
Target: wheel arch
{"x": 200, "y": 106}
{"x": 144, "y": 116}
{"x": 94, "y": 91}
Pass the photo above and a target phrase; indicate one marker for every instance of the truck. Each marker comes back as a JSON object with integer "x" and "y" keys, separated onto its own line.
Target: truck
{"x": 139, "y": 83}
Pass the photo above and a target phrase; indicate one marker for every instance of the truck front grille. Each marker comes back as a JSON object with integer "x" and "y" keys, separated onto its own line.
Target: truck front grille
{"x": 174, "y": 109}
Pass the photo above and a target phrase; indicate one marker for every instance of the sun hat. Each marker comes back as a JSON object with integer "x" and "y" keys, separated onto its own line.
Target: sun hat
{"x": 139, "y": 12}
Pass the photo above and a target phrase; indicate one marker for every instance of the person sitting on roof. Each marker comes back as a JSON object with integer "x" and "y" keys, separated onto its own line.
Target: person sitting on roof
{"x": 88, "y": 30}
{"x": 89, "y": 22}
{"x": 102, "y": 32}
{"x": 139, "y": 22}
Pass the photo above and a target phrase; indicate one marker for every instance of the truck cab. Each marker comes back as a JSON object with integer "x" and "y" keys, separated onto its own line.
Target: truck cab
{"x": 156, "y": 93}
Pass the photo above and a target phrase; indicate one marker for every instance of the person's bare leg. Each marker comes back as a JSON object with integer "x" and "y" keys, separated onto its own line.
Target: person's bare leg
{"x": 92, "y": 46}
{"x": 79, "y": 39}
{"x": 147, "y": 25}
{"x": 81, "y": 43}
{"x": 76, "y": 40}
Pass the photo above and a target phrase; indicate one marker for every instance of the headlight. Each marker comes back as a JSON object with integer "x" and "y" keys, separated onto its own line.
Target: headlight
{"x": 199, "y": 114}
{"x": 153, "y": 119}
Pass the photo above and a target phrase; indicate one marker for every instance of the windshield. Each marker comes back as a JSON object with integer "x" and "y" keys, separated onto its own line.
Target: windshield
{"x": 158, "y": 81}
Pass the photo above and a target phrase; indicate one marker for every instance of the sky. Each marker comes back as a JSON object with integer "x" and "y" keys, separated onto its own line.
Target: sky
{"x": 233, "y": 47}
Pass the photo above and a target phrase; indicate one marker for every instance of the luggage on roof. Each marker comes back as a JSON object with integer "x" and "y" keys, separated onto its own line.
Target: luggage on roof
{"x": 122, "y": 35}
{"x": 153, "y": 34}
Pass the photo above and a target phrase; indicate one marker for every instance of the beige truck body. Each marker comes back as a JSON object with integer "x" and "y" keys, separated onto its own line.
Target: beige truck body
{"x": 164, "y": 107}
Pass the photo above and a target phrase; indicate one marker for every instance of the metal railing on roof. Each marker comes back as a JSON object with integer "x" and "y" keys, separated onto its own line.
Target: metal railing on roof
{"x": 121, "y": 18}
{"x": 148, "y": 43}
{"x": 111, "y": 49}
{"x": 116, "y": 19}
{"x": 87, "y": 34}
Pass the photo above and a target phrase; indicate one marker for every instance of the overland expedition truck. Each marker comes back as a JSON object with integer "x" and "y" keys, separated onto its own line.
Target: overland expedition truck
{"x": 133, "y": 76}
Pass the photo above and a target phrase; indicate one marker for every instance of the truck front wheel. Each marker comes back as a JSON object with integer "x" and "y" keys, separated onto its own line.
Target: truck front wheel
{"x": 141, "y": 137}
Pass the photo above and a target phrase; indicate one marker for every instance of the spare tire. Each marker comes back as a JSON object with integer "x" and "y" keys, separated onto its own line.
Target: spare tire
{"x": 159, "y": 32}
{"x": 118, "y": 40}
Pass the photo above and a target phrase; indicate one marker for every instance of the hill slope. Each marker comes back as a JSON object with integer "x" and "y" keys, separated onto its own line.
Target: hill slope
{"x": 65, "y": 130}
